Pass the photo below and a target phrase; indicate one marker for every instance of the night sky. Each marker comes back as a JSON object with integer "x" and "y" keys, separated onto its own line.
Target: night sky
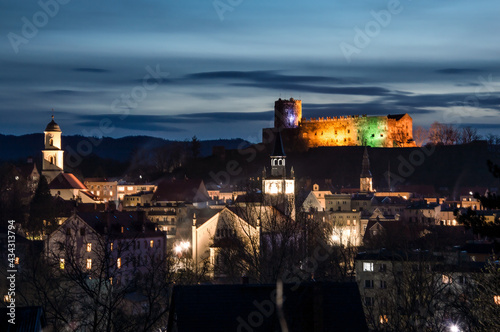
{"x": 175, "y": 68}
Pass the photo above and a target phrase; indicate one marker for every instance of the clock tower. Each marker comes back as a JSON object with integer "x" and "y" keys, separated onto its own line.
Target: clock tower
{"x": 53, "y": 160}
{"x": 278, "y": 189}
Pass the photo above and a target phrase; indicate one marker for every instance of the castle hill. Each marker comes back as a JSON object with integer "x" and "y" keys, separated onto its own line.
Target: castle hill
{"x": 250, "y": 166}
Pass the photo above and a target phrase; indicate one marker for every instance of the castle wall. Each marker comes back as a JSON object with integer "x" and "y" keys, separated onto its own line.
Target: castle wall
{"x": 346, "y": 131}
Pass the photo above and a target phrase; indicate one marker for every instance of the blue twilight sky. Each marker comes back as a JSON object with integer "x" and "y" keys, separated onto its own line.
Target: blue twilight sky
{"x": 175, "y": 69}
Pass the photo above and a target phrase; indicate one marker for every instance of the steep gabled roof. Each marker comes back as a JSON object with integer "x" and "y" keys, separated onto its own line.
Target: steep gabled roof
{"x": 396, "y": 116}
{"x": 278, "y": 146}
{"x": 66, "y": 181}
{"x": 181, "y": 191}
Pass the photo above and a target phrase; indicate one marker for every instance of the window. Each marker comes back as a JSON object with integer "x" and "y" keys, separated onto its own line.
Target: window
{"x": 68, "y": 231}
{"x": 348, "y": 223}
{"x": 368, "y": 283}
{"x": 119, "y": 263}
{"x": 89, "y": 263}
{"x": 89, "y": 247}
{"x": 383, "y": 268}
{"x": 383, "y": 284}
{"x": 367, "y": 267}
{"x": 138, "y": 244}
{"x": 111, "y": 246}
{"x": 151, "y": 243}
{"x": 16, "y": 261}
{"x": 496, "y": 298}
{"x": 384, "y": 319}
{"x": 61, "y": 263}
{"x": 354, "y": 222}
{"x": 369, "y": 301}
{"x": 446, "y": 279}
{"x": 122, "y": 229}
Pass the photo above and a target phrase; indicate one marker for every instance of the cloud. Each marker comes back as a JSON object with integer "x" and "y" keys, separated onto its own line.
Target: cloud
{"x": 91, "y": 70}
{"x": 453, "y": 71}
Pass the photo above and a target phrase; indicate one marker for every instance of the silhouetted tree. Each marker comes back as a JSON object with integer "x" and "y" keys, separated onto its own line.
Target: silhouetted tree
{"x": 43, "y": 214}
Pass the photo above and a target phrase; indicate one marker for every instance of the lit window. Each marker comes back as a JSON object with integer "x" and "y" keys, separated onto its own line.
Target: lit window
{"x": 119, "y": 263}
{"x": 354, "y": 222}
{"x": 446, "y": 279}
{"x": 89, "y": 247}
{"x": 151, "y": 243}
{"x": 496, "y": 298}
{"x": 384, "y": 319}
{"x": 16, "y": 261}
{"x": 111, "y": 246}
{"x": 6, "y": 298}
{"x": 89, "y": 263}
{"x": 110, "y": 193}
{"x": 61, "y": 263}
{"x": 122, "y": 229}
{"x": 367, "y": 267}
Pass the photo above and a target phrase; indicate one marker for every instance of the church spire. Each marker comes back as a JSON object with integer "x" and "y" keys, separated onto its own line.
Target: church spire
{"x": 365, "y": 179}
{"x": 365, "y": 172}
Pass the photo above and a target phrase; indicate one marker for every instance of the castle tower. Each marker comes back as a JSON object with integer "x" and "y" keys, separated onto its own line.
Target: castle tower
{"x": 365, "y": 179}
{"x": 278, "y": 189}
{"x": 53, "y": 159}
{"x": 287, "y": 113}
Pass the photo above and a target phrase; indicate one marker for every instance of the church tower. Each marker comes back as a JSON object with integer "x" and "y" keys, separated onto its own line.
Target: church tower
{"x": 278, "y": 189}
{"x": 53, "y": 160}
{"x": 365, "y": 179}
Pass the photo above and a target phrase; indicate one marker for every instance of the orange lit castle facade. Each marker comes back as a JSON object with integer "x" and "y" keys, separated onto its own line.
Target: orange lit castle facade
{"x": 350, "y": 130}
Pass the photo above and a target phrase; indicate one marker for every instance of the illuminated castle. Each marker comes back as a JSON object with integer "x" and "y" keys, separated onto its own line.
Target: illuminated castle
{"x": 350, "y": 130}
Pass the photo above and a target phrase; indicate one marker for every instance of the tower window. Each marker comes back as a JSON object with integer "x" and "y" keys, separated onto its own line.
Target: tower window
{"x": 51, "y": 142}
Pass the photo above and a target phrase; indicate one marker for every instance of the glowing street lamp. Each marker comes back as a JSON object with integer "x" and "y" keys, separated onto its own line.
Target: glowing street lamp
{"x": 454, "y": 328}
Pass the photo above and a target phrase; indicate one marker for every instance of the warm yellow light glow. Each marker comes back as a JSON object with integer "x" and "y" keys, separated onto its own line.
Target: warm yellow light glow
{"x": 89, "y": 263}
{"x": 384, "y": 319}
{"x": 178, "y": 249}
{"x": 151, "y": 243}
{"x": 89, "y": 247}
{"x": 61, "y": 263}
{"x": 496, "y": 298}
{"x": 111, "y": 246}
{"x": 185, "y": 245}
{"x": 119, "y": 262}
{"x": 16, "y": 261}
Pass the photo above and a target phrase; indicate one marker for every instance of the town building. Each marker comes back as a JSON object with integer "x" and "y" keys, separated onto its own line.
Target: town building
{"x": 110, "y": 244}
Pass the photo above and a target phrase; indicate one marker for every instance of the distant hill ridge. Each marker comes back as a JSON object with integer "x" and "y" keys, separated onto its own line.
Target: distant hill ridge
{"x": 15, "y": 148}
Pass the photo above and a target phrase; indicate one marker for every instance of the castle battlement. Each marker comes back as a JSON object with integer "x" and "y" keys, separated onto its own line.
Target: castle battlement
{"x": 345, "y": 130}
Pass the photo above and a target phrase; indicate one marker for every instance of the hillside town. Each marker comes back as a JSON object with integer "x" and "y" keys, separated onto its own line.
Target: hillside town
{"x": 242, "y": 250}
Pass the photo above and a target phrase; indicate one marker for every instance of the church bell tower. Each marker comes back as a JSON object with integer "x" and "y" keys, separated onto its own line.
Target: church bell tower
{"x": 278, "y": 189}
{"x": 53, "y": 159}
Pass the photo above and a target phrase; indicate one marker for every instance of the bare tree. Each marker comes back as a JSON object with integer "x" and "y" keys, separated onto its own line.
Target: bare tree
{"x": 468, "y": 135}
{"x": 420, "y": 135}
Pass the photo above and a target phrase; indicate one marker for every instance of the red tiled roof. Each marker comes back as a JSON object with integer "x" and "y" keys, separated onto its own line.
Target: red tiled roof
{"x": 66, "y": 181}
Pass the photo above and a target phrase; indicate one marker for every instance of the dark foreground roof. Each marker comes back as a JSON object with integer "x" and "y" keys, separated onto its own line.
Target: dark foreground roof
{"x": 28, "y": 319}
{"x": 311, "y": 307}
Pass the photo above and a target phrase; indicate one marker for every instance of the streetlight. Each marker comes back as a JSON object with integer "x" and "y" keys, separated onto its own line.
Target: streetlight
{"x": 454, "y": 328}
